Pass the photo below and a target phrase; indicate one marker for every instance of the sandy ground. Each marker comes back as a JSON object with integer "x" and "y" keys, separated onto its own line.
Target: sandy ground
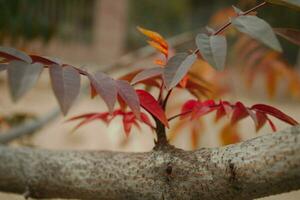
{"x": 57, "y": 134}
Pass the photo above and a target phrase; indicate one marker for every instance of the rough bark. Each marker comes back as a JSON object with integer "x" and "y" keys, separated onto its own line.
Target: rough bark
{"x": 263, "y": 166}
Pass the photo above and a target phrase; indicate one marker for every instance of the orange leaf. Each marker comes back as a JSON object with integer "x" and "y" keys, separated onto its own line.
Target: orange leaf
{"x": 159, "y": 47}
{"x": 160, "y": 62}
{"x": 184, "y": 81}
{"x": 156, "y": 37}
{"x": 93, "y": 91}
{"x": 229, "y": 134}
{"x": 271, "y": 83}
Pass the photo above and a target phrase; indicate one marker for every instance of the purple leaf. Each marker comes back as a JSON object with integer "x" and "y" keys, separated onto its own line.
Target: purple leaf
{"x": 65, "y": 83}
{"x": 14, "y": 54}
{"x": 176, "y": 68}
{"x": 21, "y": 77}
{"x": 129, "y": 95}
{"x": 146, "y": 74}
{"x": 213, "y": 49}
{"x": 105, "y": 87}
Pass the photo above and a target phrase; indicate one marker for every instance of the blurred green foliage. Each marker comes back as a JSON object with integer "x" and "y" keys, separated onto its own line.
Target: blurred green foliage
{"x": 31, "y": 19}
{"x": 21, "y": 19}
{"x": 73, "y": 19}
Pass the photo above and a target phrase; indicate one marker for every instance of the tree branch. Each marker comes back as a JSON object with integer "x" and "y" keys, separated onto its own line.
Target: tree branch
{"x": 263, "y": 166}
{"x": 28, "y": 127}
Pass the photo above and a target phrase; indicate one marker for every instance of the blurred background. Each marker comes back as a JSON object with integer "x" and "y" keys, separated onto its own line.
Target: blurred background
{"x": 101, "y": 34}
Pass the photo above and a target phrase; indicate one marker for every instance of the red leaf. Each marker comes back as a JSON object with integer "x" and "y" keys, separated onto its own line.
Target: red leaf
{"x": 224, "y": 109}
{"x": 89, "y": 117}
{"x": 239, "y": 112}
{"x": 129, "y": 95}
{"x": 203, "y": 108}
{"x": 275, "y": 113}
{"x": 261, "y": 120}
{"x": 197, "y": 108}
{"x": 65, "y": 83}
{"x": 149, "y": 103}
{"x": 145, "y": 119}
{"x": 128, "y": 121}
{"x": 272, "y": 125}
{"x": 188, "y": 107}
{"x": 105, "y": 87}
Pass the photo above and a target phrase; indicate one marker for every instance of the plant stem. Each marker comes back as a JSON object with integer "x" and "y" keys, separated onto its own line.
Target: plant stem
{"x": 160, "y": 129}
{"x": 160, "y": 96}
{"x": 166, "y": 99}
{"x": 180, "y": 114}
{"x": 161, "y": 135}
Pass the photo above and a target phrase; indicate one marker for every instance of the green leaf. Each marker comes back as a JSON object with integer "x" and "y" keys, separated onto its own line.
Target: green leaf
{"x": 176, "y": 68}
{"x": 237, "y": 10}
{"x": 65, "y": 83}
{"x": 21, "y": 77}
{"x": 213, "y": 49}
{"x": 257, "y": 29}
{"x": 293, "y": 4}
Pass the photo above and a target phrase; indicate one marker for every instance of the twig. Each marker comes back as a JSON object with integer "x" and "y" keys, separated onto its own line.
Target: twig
{"x": 222, "y": 28}
{"x": 178, "y": 115}
{"x": 28, "y": 127}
